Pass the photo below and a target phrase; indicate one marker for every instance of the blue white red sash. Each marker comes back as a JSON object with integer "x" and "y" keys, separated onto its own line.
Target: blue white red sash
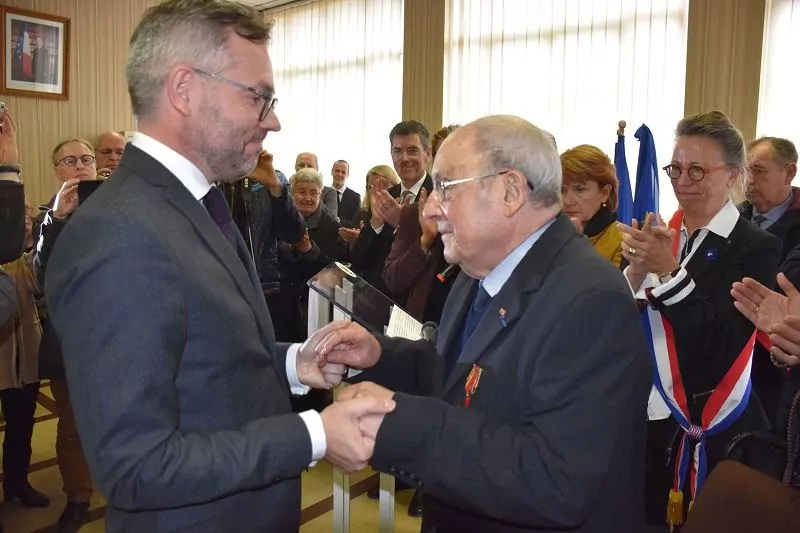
{"x": 727, "y": 401}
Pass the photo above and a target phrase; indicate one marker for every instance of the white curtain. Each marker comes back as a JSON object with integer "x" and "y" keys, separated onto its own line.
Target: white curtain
{"x": 572, "y": 67}
{"x": 779, "y": 105}
{"x": 338, "y": 68}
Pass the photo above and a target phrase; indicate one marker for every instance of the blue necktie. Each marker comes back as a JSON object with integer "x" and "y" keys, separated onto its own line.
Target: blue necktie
{"x": 478, "y": 308}
{"x": 217, "y": 207}
{"x": 758, "y": 220}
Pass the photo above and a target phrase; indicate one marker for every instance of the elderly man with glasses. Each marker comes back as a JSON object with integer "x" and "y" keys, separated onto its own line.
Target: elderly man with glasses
{"x": 529, "y": 413}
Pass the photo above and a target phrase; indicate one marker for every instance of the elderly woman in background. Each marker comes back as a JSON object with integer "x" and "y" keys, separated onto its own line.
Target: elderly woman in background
{"x": 299, "y": 262}
{"x": 684, "y": 273}
{"x": 368, "y": 257}
{"x": 589, "y": 191}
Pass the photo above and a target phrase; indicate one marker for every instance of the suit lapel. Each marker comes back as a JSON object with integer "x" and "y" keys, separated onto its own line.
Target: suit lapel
{"x": 459, "y": 300}
{"x": 508, "y": 305}
{"x": 180, "y": 197}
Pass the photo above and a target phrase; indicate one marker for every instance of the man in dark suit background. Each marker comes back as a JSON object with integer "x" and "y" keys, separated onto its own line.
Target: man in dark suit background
{"x": 537, "y": 390}
{"x": 348, "y": 201}
{"x": 12, "y": 214}
{"x": 154, "y": 295}
{"x": 40, "y": 61}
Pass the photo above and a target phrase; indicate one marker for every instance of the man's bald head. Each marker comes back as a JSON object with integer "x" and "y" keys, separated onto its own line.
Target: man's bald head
{"x": 109, "y": 147}
{"x": 505, "y": 142}
{"x": 306, "y": 160}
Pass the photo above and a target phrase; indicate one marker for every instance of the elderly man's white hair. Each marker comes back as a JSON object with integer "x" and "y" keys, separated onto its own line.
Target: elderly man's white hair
{"x": 306, "y": 175}
{"x": 510, "y": 142}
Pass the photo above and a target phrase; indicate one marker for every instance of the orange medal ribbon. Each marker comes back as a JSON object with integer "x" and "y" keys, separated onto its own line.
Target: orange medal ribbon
{"x": 471, "y": 384}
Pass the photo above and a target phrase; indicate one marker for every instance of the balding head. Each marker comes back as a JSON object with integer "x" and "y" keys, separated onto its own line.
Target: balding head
{"x": 306, "y": 160}
{"x": 498, "y": 180}
{"x": 109, "y": 147}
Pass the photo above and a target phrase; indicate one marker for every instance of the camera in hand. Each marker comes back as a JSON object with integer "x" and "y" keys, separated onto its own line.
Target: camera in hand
{"x": 86, "y": 189}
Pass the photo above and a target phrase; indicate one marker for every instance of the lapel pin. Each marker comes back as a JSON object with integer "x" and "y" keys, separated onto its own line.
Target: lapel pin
{"x": 712, "y": 254}
{"x": 503, "y": 320}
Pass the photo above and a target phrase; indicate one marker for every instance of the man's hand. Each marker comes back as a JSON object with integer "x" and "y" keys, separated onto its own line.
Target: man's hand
{"x": 348, "y": 449}
{"x": 428, "y": 225}
{"x": 265, "y": 174}
{"x": 9, "y": 151}
{"x": 312, "y": 369}
{"x": 371, "y": 423}
{"x": 351, "y": 345}
{"x": 764, "y": 307}
{"x": 386, "y": 208}
{"x": 66, "y": 199}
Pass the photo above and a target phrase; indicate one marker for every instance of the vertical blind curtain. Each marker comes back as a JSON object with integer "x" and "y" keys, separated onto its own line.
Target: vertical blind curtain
{"x": 338, "y": 67}
{"x": 779, "y": 106}
{"x": 572, "y": 67}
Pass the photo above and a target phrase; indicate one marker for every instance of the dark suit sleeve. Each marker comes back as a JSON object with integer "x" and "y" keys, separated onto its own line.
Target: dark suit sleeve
{"x": 8, "y": 298}
{"x": 12, "y": 220}
{"x": 717, "y": 328}
{"x": 406, "y": 261}
{"x": 791, "y": 266}
{"x": 584, "y": 396}
{"x": 123, "y": 351}
{"x": 288, "y": 221}
{"x": 329, "y": 201}
{"x": 48, "y": 235}
{"x": 404, "y": 366}
{"x": 369, "y": 244}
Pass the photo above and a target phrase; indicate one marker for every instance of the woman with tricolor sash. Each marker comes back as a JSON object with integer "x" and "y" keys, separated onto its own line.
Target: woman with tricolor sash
{"x": 701, "y": 346}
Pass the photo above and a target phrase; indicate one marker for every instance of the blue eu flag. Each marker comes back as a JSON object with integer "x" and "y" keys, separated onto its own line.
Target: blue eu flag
{"x": 646, "y": 198}
{"x": 625, "y": 192}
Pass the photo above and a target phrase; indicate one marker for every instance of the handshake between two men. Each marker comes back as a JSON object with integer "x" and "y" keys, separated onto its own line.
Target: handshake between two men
{"x": 351, "y": 424}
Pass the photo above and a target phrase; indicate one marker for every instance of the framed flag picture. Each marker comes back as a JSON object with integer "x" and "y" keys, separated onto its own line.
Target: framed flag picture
{"x": 35, "y": 54}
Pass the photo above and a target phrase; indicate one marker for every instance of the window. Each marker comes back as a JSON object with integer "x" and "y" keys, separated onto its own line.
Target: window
{"x": 572, "y": 67}
{"x": 778, "y": 109}
{"x": 338, "y": 68}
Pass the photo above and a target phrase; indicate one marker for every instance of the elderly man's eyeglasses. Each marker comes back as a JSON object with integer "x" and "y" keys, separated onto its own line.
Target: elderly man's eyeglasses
{"x": 695, "y": 172}
{"x": 71, "y": 160}
{"x": 269, "y": 100}
{"x": 442, "y": 185}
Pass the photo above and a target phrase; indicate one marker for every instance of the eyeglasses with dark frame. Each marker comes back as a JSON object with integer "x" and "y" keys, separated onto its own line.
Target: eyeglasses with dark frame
{"x": 440, "y": 186}
{"x": 71, "y": 160}
{"x": 695, "y": 172}
{"x": 269, "y": 101}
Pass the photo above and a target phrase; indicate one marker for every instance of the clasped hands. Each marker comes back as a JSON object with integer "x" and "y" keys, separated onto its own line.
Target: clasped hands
{"x": 351, "y": 424}
{"x": 648, "y": 248}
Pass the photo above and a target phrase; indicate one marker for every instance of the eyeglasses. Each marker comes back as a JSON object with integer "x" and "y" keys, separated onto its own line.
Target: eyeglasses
{"x": 269, "y": 101}
{"x": 440, "y": 186}
{"x": 695, "y": 172}
{"x": 398, "y": 152}
{"x": 71, "y": 160}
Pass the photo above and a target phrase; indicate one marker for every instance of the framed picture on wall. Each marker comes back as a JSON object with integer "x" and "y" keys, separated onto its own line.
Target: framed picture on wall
{"x": 35, "y": 54}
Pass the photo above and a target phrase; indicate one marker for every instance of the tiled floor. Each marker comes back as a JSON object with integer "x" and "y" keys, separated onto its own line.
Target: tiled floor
{"x": 316, "y": 501}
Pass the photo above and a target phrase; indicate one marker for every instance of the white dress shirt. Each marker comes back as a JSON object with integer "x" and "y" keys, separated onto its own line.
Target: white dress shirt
{"x": 198, "y": 185}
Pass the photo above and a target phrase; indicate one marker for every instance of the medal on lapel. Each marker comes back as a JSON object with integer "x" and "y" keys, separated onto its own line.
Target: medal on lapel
{"x": 471, "y": 384}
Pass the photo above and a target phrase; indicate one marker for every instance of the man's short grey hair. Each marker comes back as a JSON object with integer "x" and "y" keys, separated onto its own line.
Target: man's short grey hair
{"x": 306, "y": 175}
{"x": 513, "y": 143}
{"x": 192, "y": 32}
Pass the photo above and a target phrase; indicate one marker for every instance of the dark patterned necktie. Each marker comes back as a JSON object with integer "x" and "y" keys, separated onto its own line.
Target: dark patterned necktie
{"x": 217, "y": 207}
{"x": 758, "y": 220}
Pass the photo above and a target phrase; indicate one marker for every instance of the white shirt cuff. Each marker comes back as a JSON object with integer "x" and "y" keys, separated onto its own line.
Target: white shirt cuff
{"x": 649, "y": 282}
{"x": 378, "y": 229}
{"x": 319, "y": 443}
{"x": 298, "y": 389}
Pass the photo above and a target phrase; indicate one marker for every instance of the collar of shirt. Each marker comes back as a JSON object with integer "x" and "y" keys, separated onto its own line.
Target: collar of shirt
{"x": 414, "y": 188}
{"x": 340, "y": 191}
{"x": 187, "y": 173}
{"x": 776, "y": 212}
{"x": 494, "y": 282}
{"x": 722, "y": 224}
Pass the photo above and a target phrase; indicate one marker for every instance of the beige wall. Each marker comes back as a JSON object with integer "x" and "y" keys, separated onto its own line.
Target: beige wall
{"x": 98, "y": 95}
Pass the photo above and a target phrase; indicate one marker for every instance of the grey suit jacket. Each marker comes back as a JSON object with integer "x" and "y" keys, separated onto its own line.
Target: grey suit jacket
{"x": 553, "y": 438}
{"x": 178, "y": 387}
{"x": 328, "y": 200}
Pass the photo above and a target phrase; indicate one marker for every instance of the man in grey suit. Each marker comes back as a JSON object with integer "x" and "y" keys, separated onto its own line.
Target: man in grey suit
{"x": 180, "y": 392}
{"x": 532, "y": 415}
